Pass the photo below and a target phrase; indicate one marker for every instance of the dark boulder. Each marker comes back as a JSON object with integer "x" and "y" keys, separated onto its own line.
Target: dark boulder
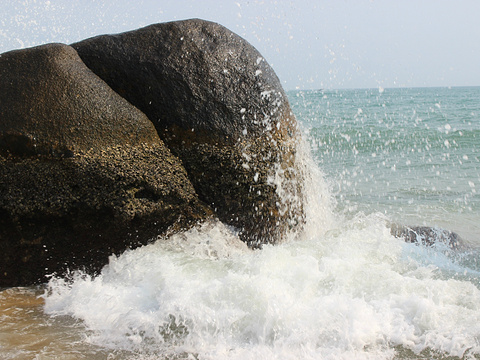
{"x": 83, "y": 173}
{"x": 219, "y": 107}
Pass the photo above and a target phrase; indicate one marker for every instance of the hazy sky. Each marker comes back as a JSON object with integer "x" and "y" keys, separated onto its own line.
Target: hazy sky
{"x": 310, "y": 44}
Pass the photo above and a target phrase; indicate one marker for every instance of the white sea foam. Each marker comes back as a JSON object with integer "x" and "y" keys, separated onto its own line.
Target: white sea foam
{"x": 342, "y": 290}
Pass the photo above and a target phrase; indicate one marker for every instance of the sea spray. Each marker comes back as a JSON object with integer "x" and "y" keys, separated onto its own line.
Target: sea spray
{"x": 208, "y": 257}
{"x": 354, "y": 292}
{"x": 402, "y": 155}
{"x": 304, "y": 189}
{"x": 344, "y": 287}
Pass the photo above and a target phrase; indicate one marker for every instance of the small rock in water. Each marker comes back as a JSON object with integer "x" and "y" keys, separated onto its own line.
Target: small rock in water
{"x": 426, "y": 235}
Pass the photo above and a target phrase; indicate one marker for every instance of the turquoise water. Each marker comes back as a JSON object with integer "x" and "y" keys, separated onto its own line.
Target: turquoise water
{"x": 412, "y": 154}
{"x": 345, "y": 288}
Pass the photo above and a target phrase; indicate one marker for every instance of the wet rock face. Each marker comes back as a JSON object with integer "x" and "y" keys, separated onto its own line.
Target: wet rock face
{"x": 83, "y": 173}
{"x": 146, "y": 132}
{"x": 219, "y": 107}
{"x": 192, "y": 74}
{"x": 426, "y": 235}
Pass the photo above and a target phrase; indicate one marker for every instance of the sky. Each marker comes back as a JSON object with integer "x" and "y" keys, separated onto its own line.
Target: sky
{"x": 311, "y": 44}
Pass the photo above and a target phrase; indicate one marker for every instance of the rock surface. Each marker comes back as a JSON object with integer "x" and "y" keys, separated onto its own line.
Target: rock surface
{"x": 168, "y": 125}
{"x": 52, "y": 104}
{"x": 219, "y": 107}
{"x": 83, "y": 173}
{"x": 426, "y": 235}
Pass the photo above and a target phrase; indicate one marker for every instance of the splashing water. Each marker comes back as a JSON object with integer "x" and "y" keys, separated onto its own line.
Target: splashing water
{"x": 355, "y": 293}
{"x": 344, "y": 288}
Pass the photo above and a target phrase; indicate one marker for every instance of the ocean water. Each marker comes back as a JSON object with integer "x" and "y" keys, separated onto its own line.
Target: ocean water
{"x": 412, "y": 154}
{"x": 344, "y": 288}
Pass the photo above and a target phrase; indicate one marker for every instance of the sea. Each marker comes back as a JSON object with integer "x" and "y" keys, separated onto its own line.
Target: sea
{"x": 344, "y": 288}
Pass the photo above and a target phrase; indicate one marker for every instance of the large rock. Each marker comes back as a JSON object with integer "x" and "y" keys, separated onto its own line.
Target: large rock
{"x": 219, "y": 107}
{"x": 83, "y": 173}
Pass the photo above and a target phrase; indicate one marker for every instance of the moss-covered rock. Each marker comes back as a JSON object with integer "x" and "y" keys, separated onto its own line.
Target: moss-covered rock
{"x": 83, "y": 173}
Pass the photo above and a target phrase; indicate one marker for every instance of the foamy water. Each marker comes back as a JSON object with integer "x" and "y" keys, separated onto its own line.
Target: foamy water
{"x": 357, "y": 292}
{"x": 344, "y": 288}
